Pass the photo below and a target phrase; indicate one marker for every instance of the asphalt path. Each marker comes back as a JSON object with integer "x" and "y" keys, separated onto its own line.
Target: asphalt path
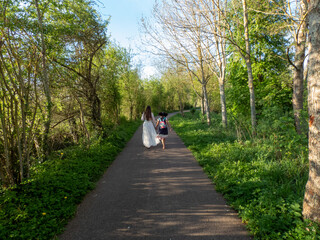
{"x": 155, "y": 194}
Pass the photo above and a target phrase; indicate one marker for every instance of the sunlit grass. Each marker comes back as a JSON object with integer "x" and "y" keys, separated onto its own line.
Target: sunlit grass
{"x": 265, "y": 187}
{"x": 40, "y": 207}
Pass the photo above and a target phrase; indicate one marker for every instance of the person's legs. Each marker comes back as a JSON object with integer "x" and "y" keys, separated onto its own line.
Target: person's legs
{"x": 163, "y": 143}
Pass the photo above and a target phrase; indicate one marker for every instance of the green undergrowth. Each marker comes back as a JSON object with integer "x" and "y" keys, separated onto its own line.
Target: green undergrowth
{"x": 264, "y": 180}
{"x": 40, "y": 207}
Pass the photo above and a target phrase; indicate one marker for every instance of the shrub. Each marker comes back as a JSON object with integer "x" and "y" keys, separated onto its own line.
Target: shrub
{"x": 40, "y": 207}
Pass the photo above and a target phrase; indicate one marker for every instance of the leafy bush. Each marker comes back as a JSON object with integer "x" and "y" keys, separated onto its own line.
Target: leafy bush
{"x": 265, "y": 187}
{"x": 40, "y": 207}
{"x": 192, "y": 110}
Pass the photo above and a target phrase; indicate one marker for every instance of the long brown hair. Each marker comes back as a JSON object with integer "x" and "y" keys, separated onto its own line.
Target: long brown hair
{"x": 147, "y": 113}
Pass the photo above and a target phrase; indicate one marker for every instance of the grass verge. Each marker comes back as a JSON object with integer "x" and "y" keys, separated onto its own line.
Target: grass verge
{"x": 264, "y": 180}
{"x": 41, "y": 207}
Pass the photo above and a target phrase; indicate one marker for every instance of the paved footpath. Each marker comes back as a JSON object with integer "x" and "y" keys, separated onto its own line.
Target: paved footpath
{"x": 155, "y": 194}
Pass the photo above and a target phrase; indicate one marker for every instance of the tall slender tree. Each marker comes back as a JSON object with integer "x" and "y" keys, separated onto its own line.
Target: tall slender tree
{"x": 45, "y": 79}
{"x": 311, "y": 203}
{"x": 183, "y": 40}
{"x": 211, "y": 12}
{"x": 247, "y": 57}
{"x": 300, "y": 36}
{"x": 293, "y": 15}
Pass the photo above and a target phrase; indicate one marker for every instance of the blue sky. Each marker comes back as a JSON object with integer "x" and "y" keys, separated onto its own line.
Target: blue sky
{"x": 124, "y": 24}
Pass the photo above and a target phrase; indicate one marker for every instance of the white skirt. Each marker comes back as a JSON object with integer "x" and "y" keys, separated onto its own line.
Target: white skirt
{"x": 149, "y": 135}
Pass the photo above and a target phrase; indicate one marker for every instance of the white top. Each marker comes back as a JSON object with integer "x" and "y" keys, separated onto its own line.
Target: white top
{"x": 143, "y": 118}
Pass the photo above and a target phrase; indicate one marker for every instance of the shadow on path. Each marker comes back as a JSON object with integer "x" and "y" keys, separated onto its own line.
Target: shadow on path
{"x": 155, "y": 194}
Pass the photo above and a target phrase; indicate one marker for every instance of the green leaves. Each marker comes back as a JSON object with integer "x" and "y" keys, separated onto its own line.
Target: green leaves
{"x": 40, "y": 207}
{"x": 264, "y": 187}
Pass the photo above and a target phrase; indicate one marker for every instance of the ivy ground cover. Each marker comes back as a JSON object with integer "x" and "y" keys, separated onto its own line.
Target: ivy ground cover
{"x": 41, "y": 207}
{"x": 265, "y": 187}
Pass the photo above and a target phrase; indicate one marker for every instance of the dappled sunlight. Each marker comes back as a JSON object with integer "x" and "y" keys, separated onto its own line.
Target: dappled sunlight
{"x": 157, "y": 194}
{"x": 180, "y": 200}
{"x": 180, "y": 222}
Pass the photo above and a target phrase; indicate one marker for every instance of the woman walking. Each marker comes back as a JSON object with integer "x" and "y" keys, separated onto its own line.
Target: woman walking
{"x": 149, "y": 135}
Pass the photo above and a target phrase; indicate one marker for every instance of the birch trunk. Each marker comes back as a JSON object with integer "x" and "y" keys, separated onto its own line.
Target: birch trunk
{"x": 249, "y": 68}
{"x": 219, "y": 34}
{"x": 298, "y": 86}
{"x": 223, "y": 102}
{"x": 202, "y": 106}
{"x": 203, "y": 80}
{"x": 206, "y": 103}
{"x": 222, "y": 80}
{"x": 311, "y": 204}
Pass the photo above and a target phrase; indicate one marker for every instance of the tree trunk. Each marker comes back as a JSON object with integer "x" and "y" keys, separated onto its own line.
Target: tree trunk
{"x": 131, "y": 111}
{"x": 206, "y": 103}
{"x": 202, "y": 105}
{"x": 298, "y": 70}
{"x": 9, "y": 179}
{"x": 223, "y": 102}
{"x": 181, "y": 105}
{"x": 82, "y": 119}
{"x": 6, "y": 168}
{"x": 46, "y": 86}
{"x": 3, "y": 177}
{"x": 96, "y": 112}
{"x": 74, "y": 130}
{"x": 311, "y": 204}
{"x": 249, "y": 68}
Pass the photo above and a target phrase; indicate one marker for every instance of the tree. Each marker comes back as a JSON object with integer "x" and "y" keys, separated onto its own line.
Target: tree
{"x": 87, "y": 36}
{"x": 211, "y": 11}
{"x": 177, "y": 89}
{"x": 299, "y": 35}
{"x": 130, "y": 85}
{"x": 183, "y": 40}
{"x": 247, "y": 57}
{"x": 311, "y": 203}
{"x": 110, "y": 82}
{"x": 293, "y": 18}
{"x": 45, "y": 79}
{"x": 38, "y": 98}
{"x": 235, "y": 38}
{"x": 19, "y": 96}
